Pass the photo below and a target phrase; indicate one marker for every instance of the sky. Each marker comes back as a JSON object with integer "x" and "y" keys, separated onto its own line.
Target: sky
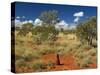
{"x": 68, "y": 14}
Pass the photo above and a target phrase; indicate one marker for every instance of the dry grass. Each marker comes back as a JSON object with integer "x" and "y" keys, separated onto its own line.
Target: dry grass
{"x": 27, "y": 51}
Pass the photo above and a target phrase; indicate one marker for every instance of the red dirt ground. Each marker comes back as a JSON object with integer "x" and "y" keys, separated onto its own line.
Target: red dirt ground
{"x": 67, "y": 62}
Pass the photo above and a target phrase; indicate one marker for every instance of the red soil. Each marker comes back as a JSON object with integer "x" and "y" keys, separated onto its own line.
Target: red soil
{"x": 93, "y": 65}
{"x": 67, "y": 62}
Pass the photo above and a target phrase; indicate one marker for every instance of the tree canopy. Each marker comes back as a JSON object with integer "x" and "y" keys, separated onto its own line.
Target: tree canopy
{"x": 48, "y": 16}
{"x": 88, "y": 30}
{"x": 26, "y": 28}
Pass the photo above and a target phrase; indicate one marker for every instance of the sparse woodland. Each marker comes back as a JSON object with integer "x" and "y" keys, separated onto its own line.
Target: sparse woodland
{"x": 45, "y": 48}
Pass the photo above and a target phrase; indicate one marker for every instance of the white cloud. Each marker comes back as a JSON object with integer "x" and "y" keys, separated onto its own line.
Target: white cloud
{"x": 76, "y": 19}
{"x": 62, "y": 24}
{"x": 24, "y": 22}
{"x": 38, "y": 22}
{"x": 18, "y": 17}
{"x": 27, "y": 21}
{"x": 79, "y": 14}
{"x": 16, "y": 22}
{"x": 19, "y": 23}
{"x": 30, "y": 21}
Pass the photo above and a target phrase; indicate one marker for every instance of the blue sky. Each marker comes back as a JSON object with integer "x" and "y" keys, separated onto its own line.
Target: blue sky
{"x": 67, "y": 13}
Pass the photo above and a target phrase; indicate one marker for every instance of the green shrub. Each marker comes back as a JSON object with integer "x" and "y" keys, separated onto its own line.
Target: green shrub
{"x": 47, "y": 51}
{"x": 84, "y": 62}
{"x": 28, "y": 56}
{"x": 38, "y": 65}
{"x": 50, "y": 64}
{"x": 20, "y": 63}
{"x": 93, "y": 52}
{"x": 85, "y": 47}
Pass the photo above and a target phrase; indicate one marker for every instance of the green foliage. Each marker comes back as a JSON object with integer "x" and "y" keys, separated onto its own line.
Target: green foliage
{"x": 26, "y": 28}
{"x": 20, "y": 63}
{"x": 36, "y": 39}
{"x": 44, "y": 33}
{"x": 84, "y": 56}
{"x": 38, "y": 65}
{"x": 84, "y": 62}
{"x": 17, "y": 28}
{"x": 50, "y": 65}
{"x": 48, "y": 16}
{"x": 28, "y": 56}
{"x": 69, "y": 31}
{"x": 87, "y": 30}
{"x": 47, "y": 51}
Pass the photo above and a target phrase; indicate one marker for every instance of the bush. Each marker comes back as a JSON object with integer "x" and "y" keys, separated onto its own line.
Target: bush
{"x": 50, "y": 64}
{"x": 87, "y": 30}
{"x": 20, "y": 63}
{"x": 85, "y": 47}
{"x": 47, "y": 51}
{"x": 28, "y": 56}
{"x": 38, "y": 65}
{"x": 83, "y": 61}
{"x": 93, "y": 52}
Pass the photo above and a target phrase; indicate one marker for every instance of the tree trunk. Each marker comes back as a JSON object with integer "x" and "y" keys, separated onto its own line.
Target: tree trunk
{"x": 58, "y": 59}
{"x": 90, "y": 41}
